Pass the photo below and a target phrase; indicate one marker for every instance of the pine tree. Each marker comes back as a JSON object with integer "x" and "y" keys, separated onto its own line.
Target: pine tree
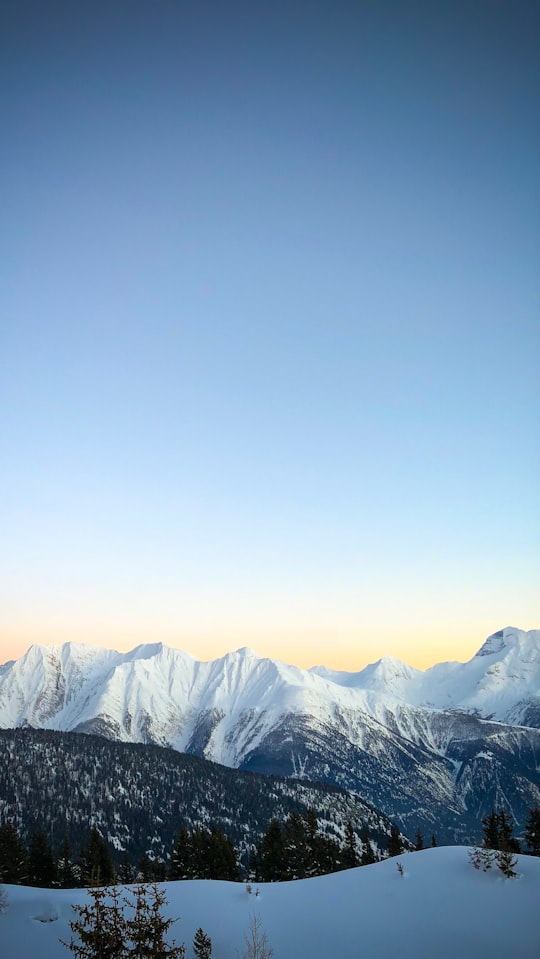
{"x": 99, "y": 929}
{"x": 506, "y": 862}
{"x": 271, "y": 854}
{"x": 65, "y": 869}
{"x": 41, "y": 865}
{"x": 498, "y": 831}
{"x": 419, "y": 841}
{"x": 96, "y": 862}
{"x": 490, "y": 826}
{"x": 181, "y": 856}
{"x": 532, "y": 831}
{"x": 349, "y": 856}
{"x": 3, "y": 900}
{"x": 507, "y": 840}
{"x": 159, "y": 927}
{"x": 395, "y": 842}
{"x": 13, "y": 856}
{"x": 368, "y": 855}
{"x": 202, "y": 945}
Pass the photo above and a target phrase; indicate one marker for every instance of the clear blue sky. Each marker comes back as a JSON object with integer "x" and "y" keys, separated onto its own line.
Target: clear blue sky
{"x": 270, "y": 325}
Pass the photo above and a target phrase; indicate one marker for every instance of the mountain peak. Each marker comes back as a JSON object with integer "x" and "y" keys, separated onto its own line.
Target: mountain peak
{"x": 500, "y": 640}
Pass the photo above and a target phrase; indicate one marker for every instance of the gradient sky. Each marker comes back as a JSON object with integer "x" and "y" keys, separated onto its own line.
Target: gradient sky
{"x": 269, "y": 326}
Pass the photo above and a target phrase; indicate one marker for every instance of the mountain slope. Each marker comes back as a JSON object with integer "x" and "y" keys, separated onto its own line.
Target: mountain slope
{"x": 139, "y": 795}
{"x": 413, "y": 743}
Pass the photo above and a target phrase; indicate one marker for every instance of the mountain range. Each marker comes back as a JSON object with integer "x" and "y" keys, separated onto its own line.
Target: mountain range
{"x": 435, "y": 750}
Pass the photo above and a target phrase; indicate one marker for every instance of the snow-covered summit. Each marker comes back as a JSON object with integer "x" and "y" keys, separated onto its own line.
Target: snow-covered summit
{"x": 158, "y": 692}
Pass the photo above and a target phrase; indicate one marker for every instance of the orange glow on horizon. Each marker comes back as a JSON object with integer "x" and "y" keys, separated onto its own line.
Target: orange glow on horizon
{"x": 346, "y": 651}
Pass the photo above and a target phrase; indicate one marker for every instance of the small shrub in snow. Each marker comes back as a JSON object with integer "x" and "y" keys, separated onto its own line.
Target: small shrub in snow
{"x": 506, "y": 862}
{"x": 3, "y": 900}
{"x": 481, "y": 858}
{"x": 399, "y": 868}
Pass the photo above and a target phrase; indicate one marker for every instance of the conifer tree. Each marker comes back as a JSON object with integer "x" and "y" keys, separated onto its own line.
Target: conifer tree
{"x": 96, "y": 862}
{"x": 271, "y": 854}
{"x": 506, "y": 862}
{"x": 349, "y": 853}
{"x": 395, "y": 842}
{"x": 99, "y": 929}
{"x": 202, "y": 945}
{"x": 419, "y": 841}
{"x": 41, "y": 865}
{"x": 532, "y": 831}
{"x": 13, "y": 856}
{"x": 159, "y": 926}
{"x": 368, "y": 855}
{"x": 66, "y": 872}
{"x": 181, "y": 856}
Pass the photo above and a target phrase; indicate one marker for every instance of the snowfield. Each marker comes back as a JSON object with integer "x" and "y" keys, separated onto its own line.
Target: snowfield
{"x": 441, "y": 908}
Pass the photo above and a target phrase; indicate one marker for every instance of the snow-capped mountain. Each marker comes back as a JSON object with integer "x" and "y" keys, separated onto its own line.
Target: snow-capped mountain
{"x": 444, "y": 744}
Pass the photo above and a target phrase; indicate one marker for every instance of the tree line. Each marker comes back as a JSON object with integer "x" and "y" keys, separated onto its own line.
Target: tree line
{"x": 293, "y": 848}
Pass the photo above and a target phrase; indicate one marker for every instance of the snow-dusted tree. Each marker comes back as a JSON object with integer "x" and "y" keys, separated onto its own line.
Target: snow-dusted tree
{"x": 506, "y": 861}
{"x": 99, "y": 929}
{"x": 3, "y": 900}
{"x": 256, "y": 941}
{"x": 532, "y": 831}
{"x": 481, "y": 858}
{"x": 147, "y": 929}
{"x": 349, "y": 855}
{"x": 202, "y": 945}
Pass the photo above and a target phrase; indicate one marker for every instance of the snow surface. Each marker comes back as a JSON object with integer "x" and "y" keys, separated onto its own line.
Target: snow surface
{"x": 441, "y": 907}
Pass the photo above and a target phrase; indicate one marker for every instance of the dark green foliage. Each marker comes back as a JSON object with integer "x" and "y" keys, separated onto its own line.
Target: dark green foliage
{"x": 349, "y": 855}
{"x": 203, "y": 854}
{"x": 270, "y": 854}
{"x": 368, "y": 855}
{"x": 180, "y": 867}
{"x": 532, "y": 831}
{"x": 96, "y": 862}
{"x": 506, "y": 862}
{"x": 13, "y": 857}
{"x": 99, "y": 931}
{"x": 41, "y": 864}
{"x": 147, "y": 929}
{"x": 113, "y": 928}
{"x": 67, "y": 873}
{"x": 433, "y": 840}
{"x": 419, "y": 841}
{"x": 498, "y": 831}
{"x": 202, "y": 945}
{"x": 296, "y": 849}
{"x": 138, "y": 795}
{"x": 395, "y": 843}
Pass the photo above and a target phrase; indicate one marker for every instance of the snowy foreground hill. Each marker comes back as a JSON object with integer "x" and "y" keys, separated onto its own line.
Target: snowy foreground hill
{"x": 435, "y": 750}
{"x": 440, "y": 907}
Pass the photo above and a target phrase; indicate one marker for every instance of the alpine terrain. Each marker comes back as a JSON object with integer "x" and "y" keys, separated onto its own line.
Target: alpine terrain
{"x": 435, "y": 750}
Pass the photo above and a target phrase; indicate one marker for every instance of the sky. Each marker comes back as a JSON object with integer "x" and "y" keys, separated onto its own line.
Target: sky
{"x": 269, "y": 326}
